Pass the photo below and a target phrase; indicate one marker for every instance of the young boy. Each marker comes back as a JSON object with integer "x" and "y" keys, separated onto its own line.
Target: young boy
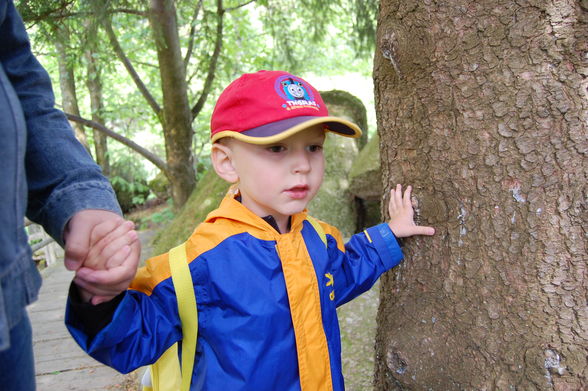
{"x": 266, "y": 284}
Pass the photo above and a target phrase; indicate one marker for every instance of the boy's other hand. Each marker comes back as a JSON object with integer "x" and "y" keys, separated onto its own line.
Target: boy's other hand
{"x": 402, "y": 215}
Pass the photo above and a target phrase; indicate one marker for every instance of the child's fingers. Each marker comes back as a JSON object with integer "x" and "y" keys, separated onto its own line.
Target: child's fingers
{"x": 103, "y": 235}
{"x": 97, "y": 290}
{"x": 101, "y": 230}
{"x": 423, "y": 230}
{"x": 101, "y": 299}
{"x": 398, "y": 195}
{"x": 134, "y": 250}
{"x": 107, "y": 246}
{"x": 406, "y": 199}
{"x": 113, "y": 249}
{"x": 118, "y": 277}
{"x": 118, "y": 257}
{"x": 393, "y": 204}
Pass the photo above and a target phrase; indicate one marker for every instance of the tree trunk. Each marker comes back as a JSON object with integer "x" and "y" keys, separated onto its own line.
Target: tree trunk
{"x": 482, "y": 106}
{"x": 177, "y": 118}
{"x": 94, "y": 84}
{"x": 67, "y": 82}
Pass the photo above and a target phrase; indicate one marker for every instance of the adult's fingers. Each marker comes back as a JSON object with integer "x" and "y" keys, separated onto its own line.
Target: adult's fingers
{"x": 98, "y": 290}
{"x": 77, "y": 244}
{"x": 101, "y": 299}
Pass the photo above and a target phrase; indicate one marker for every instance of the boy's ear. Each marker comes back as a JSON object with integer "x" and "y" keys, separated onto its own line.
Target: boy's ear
{"x": 223, "y": 163}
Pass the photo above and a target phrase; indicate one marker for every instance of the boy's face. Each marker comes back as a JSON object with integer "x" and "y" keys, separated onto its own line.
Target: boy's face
{"x": 279, "y": 179}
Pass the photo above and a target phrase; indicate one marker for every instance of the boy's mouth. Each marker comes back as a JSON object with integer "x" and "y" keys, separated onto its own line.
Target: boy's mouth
{"x": 298, "y": 192}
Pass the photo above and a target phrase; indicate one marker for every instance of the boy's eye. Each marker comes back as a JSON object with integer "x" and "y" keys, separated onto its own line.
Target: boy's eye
{"x": 315, "y": 148}
{"x": 276, "y": 148}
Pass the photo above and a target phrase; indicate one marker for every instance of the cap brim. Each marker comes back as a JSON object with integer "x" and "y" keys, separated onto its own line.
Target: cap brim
{"x": 279, "y": 130}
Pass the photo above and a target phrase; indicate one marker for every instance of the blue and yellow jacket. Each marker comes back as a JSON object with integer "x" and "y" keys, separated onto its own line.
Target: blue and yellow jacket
{"x": 266, "y": 303}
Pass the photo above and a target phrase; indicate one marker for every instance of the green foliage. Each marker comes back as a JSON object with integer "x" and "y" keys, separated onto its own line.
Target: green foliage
{"x": 364, "y": 13}
{"x": 128, "y": 181}
{"x": 206, "y": 197}
{"x": 157, "y": 219}
{"x": 129, "y": 194}
{"x": 164, "y": 216}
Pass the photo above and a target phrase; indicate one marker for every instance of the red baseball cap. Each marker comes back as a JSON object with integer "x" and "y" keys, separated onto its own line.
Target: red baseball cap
{"x": 268, "y": 106}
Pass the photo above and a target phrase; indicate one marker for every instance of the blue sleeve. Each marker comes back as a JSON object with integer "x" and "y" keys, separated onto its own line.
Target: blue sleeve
{"x": 367, "y": 255}
{"x": 142, "y": 328}
{"x": 62, "y": 178}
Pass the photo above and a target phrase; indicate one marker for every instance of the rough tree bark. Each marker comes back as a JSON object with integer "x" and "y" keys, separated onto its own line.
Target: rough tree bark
{"x": 177, "y": 118}
{"x": 483, "y": 107}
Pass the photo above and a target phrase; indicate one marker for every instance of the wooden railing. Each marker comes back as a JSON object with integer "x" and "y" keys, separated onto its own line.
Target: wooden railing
{"x": 45, "y": 250}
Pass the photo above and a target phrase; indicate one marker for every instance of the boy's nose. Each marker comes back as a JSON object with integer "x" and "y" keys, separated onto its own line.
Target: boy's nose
{"x": 301, "y": 162}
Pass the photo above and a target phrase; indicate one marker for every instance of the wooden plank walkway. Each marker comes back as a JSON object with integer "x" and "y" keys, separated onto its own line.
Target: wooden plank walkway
{"x": 60, "y": 364}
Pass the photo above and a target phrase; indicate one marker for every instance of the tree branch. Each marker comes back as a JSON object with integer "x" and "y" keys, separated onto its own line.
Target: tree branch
{"x": 192, "y": 33}
{"x": 153, "y": 158}
{"x": 239, "y": 6}
{"x": 213, "y": 60}
{"x": 128, "y": 11}
{"x": 127, "y": 63}
{"x": 58, "y": 14}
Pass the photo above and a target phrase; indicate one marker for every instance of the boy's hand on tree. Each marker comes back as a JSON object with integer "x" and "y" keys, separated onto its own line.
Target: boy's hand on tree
{"x": 402, "y": 215}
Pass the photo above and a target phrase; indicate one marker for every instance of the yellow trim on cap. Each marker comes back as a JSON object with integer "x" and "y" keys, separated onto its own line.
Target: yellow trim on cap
{"x": 289, "y": 132}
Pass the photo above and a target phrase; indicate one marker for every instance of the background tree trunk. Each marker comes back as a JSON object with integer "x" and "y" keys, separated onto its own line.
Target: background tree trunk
{"x": 483, "y": 107}
{"x": 94, "y": 84}
{"x": 67, "y": 81}
{"x": 177, "y": 118}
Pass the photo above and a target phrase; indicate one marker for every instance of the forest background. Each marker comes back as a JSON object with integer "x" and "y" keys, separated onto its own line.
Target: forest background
{"x": 149, "y": 75}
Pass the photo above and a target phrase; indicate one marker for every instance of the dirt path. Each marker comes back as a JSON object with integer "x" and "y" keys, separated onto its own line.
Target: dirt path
{"x": 357, "y": 320}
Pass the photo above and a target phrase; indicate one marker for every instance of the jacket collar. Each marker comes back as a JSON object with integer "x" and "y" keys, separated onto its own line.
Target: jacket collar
{"x": 231, "y": 209}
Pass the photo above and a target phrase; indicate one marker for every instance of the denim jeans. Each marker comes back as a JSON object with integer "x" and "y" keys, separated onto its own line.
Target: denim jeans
{"x": 17, "y": 366}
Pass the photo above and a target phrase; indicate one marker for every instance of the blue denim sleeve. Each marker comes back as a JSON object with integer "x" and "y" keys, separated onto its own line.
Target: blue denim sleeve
{"x": 61, "y": 176}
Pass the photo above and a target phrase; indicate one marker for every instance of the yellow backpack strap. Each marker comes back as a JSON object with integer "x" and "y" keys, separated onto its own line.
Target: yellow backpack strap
{"x": 182, "y": 279}
{"x": 165, "y": 373}
{"x": 318, "y": 228}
